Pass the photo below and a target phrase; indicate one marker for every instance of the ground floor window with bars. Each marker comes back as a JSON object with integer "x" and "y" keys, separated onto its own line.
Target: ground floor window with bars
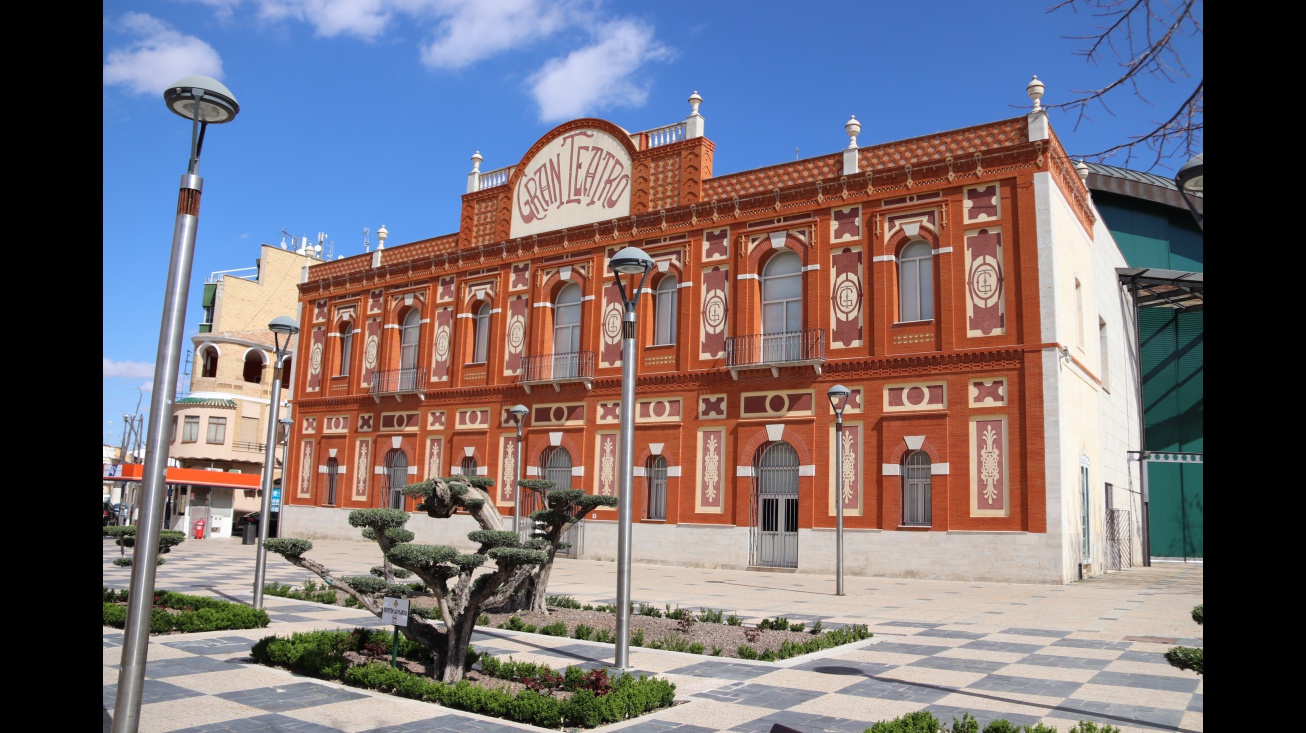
{"x": 916, "y": 490}
{"x": 655, "y": 473}
{"x": 396, "y": 477}
{"x": 468, "y": 466}
{"x": 555, "y": 466}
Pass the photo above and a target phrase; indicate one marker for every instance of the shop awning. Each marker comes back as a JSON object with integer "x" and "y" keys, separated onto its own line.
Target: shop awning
{"x": 188, "y": 476}
{"x": 207, "y": 402}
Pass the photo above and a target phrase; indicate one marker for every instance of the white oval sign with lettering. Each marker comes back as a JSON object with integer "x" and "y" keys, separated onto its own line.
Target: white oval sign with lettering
{"x": 579, "y": 178}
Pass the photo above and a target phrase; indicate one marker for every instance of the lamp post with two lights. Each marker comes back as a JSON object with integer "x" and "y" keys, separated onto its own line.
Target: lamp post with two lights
{"x": 283, "y": 330}
{"x": 204, "y": 102}
{"x": 626, "y": 264}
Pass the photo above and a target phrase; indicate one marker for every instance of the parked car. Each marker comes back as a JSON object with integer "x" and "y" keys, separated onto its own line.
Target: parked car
{"x": 110, "y": 515}
{"x": 253, "y": 518}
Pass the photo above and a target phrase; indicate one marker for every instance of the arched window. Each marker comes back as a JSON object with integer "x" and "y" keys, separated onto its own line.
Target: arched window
{"x": 482, "y": 337}
{"x": 916, "y": 489}
{"x": 782, "y": 308}
{"x": 556, "y": 465}
{"x": 664, "y": 311}
{"x": 332, "y": 473}
{"x": 469, "y": 466}
{"x": 408, "y": 337}
{"x": 209, "y": 357}
{"x": 566, "y": 331}
{"x": 655, "y": 471}
{"x": 346, "y": 348}
{"x": 254, "y": 364}
{"x": 396, "y": 477}
{"x": 915, "y": 283}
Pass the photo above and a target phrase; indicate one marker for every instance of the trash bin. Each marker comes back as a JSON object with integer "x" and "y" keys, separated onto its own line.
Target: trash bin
{"x": 250, "y": 536}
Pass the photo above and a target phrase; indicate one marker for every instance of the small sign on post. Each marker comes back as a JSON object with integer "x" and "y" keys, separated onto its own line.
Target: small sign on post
{"x": 394, "y": 611}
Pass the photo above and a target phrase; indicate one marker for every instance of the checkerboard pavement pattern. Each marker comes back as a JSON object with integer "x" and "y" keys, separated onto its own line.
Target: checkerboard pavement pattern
{"x": 967, "y": 659}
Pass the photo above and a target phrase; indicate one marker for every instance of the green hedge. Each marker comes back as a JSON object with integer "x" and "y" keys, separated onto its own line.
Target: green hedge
{"x": 188, "y": 614}
{"x": 923, "y": 721}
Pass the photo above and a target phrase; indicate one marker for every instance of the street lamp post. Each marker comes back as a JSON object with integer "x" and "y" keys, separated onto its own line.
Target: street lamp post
{"x": 283, "y": 330}
{"x": 518, "y": 413}
{"x": 1189, "y": 181}
{"x": 838, "y": 395}
{"x": 626, "y": 264}
{"x": 203, "y": 101}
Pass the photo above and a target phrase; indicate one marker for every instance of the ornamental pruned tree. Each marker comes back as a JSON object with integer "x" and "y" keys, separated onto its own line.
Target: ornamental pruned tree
{"x": 450, "y": 573}
{"x": 1187, "y": 657}
{"x": 564, "y": 509}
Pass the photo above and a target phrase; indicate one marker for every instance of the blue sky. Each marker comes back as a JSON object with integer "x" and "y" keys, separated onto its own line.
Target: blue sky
{"x": 359, "y": 113}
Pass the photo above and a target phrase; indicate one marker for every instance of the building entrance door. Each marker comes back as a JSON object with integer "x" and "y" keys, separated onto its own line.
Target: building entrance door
{"x": 773, "y": 527}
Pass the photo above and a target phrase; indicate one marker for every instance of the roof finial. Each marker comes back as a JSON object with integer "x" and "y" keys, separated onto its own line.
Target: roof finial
{"x": 1035, "y": 91}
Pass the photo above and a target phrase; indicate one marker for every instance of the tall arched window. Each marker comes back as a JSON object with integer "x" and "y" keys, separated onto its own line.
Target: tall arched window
{"x": 566, "y": 331}
{"x": 468, "y": 467}
{"x": 332, "y": 473}
{"x": 556, "y": 466}
{"x": 408, "y": 337}
{"x": 664, "y": 311}
{"x": 346, "y": 348}
{"x": 916, "y": 489}
{"x": 915, "y": 283}
{"x": 655, "y": 471}
{"x": 254, "y": 364}
{"x": 782, "y": 308}
{"x": 209, "y": 357}
{"x": 773, "y": 527}
{"x": 482, "y": 342}
{"x": 396, "y": 476}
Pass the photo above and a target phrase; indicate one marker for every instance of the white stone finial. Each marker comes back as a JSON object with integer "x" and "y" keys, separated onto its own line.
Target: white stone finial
{"x": 1035, "y": 91}
{"x": 694, "y": 101}
{"x": 476, "y": 162}
{"x": 381, "y": 234}
{"x": 1082, "y": 169}
{"x": 852, "y": 128}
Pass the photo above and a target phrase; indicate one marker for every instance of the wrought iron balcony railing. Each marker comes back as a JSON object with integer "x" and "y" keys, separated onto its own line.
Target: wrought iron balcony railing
{"x": 399, "y": 382}
{"x": 775, "y": 350}
{"x": 248, "y": 447}
{"x": 558, "y": 369}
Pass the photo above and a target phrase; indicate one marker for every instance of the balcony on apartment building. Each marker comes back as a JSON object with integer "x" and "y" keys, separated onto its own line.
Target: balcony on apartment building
{"x": 399, "y": 382}
{"x": 775, "y": 350}
{"x": 558, "y": 369}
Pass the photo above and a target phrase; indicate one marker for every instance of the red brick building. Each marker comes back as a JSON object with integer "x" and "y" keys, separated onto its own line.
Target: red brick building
{"x": 948, "y": 281}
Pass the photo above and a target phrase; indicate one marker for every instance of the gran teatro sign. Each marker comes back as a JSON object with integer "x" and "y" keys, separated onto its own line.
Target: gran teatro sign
{"x": 580, "y": 177}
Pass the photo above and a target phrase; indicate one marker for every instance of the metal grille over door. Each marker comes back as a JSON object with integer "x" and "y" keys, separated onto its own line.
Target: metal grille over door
{"x": 396, "y": 477}
{"x": 557, "y": 468}
{"x": 773, "y": 530}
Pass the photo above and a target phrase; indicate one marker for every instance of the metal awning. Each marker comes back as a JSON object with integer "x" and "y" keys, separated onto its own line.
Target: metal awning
{"x": 206, "y": 402}
{"x": 1156, "y": 288}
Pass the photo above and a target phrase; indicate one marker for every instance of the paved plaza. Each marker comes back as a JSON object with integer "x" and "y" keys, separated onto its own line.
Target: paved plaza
{"x": 1056, "y": 654}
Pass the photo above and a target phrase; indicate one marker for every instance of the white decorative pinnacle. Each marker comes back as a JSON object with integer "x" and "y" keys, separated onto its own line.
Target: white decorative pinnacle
{"x": 1082, "y": 169}
{"x": 1035, "y": 91}
{"x": 381, "y": 234}
{"x": 476, "y": 162}
{"x": 694, "y": 101}
{"x": 852, "y": 128}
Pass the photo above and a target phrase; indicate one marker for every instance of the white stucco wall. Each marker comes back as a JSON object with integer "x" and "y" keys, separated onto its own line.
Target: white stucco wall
{"x": 1085, "y": 420}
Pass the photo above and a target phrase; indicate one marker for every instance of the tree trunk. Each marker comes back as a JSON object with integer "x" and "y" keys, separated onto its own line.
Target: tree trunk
{"x": 539, "y": 591}
{"x": 459, "y": 637}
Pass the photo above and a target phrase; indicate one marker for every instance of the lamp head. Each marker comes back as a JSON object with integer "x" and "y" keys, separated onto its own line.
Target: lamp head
{"x": 283, "y": 327}
{"x": 630, "y": 261}
{"x": 519, "y": 411}
{"x": 1189, "y": 177}
{"x": 838, "y": 395}
{"x": 216, "y": 102}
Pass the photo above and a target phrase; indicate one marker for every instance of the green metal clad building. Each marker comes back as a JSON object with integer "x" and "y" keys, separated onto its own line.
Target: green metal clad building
{"x": 1162, "y": 242}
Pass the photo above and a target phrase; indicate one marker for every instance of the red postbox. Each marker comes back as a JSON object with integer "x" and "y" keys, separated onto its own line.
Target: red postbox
{"x": 199, "y": 529}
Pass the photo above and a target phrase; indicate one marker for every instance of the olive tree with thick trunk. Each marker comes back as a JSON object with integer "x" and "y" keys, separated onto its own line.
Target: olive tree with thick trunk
{"x": 450, "y": 573}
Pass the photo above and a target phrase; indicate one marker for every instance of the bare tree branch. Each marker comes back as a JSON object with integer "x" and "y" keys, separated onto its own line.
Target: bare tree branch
{"x": 1144, "y": 34}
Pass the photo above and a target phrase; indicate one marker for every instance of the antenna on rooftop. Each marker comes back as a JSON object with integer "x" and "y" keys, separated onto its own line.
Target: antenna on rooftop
{"x": 321, "y": 238}
{"x": 367, "y": 244}
{"x": 285, "y": 234}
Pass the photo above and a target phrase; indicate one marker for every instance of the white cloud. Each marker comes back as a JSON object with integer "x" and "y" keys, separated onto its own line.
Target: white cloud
{"x": 157, "y": 57}
{"x": 223, "y": 10}
{"x": 599, "y": 76}
{"x": 365, "y": 19}
{"x": 478, "y": 29}
{"x": 132, "y": 369}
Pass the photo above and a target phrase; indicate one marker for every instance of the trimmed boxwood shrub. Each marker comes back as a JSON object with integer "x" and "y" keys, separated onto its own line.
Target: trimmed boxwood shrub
{"x": 188, "y": 614}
